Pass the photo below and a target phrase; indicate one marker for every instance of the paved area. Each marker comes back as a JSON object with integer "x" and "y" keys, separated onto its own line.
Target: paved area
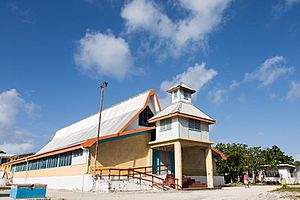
{"x": 232, "y": 193}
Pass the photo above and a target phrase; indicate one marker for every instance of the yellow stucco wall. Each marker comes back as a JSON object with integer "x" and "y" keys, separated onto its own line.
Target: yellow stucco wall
{"x": 215, "y": 167}
{"x": 58, "y": 171}
{"x": 123, "y": 153}
{"x": 193, "y": 160}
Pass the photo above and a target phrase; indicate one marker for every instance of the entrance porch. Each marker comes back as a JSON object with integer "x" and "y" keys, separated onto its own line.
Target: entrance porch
{"x": 188, "y": 159}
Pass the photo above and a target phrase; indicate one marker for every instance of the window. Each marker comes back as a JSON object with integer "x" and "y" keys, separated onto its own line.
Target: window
{"x": 65, "y": 159}
{"x": 194, "y": 125}
{"x": 272, "y": 173}
{"x": 153, "y": 135}
{"x": 175, "y": 94}
{"x": 144, "y": 116}
{"x": 60, "y": 160}
{"x": 52, "y": 161}
{"x": 165, "y": 124}
{"x": 292, "y": 172}
{"x": 77, "y": 153}
{"x": 42, "y": 163}
{"x": 33, "y": 165}
{"x": 20, "y": 167}
{"x": 186, "y": 95}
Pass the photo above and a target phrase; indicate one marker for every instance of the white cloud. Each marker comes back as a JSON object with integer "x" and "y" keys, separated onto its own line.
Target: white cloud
{"x": 266, "y": 74}
{"x": 142, "y": 14}
{"x": 202, "y": 18}
{"x": 196, "y": 77}
{"x": 294, "y": 92}
{"x": 219, "y": 95}
{"x": 19, "y": 148}
{"x": 10, "y": 103}
{"x": 291, "y": 2}
{"x": 297, "y": 157}
{"x": 13, "y": 139}
{"x": 283, "y": 6}
{"x": 270, "y": 71}
{"x": 104, "y": 55}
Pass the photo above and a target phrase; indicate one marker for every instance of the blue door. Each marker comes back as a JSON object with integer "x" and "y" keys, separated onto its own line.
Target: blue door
{"x": 155, "y": 162}
{"x": 172, "y": 161}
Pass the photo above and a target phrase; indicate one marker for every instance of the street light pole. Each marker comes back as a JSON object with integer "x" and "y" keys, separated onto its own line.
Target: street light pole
{"x": 103, "y": 86}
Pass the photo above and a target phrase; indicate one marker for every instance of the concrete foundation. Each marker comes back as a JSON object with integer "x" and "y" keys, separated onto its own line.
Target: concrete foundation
{"x": 85, "y": 183}
{"x": 218, "y": 180}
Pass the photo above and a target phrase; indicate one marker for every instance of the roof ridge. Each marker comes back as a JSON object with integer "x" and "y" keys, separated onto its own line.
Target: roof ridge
{"x": 114, "y": 105}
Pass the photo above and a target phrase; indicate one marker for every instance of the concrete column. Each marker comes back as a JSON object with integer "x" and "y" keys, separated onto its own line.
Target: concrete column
{"x": 178, "y": 162}
{"x": 209, "y": 168}
{"x": 150, "y": 156}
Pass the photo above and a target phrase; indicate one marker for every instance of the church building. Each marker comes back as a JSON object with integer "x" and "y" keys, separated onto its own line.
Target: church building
{"x": 141, "y": 146}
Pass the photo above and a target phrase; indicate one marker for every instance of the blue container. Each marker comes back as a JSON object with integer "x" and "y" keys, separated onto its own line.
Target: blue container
{"x": 23, "y": 191}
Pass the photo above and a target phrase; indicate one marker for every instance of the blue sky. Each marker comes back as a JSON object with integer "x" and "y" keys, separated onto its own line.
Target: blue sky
{"x": 242, "y": 57}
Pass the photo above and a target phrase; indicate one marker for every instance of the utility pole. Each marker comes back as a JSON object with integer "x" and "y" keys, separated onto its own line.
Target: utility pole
{"x": 103, "y": 86}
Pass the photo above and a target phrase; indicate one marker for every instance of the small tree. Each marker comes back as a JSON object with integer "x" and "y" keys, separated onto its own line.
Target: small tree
{"x": 274, "y": 156}
{"x": 233, "y": 167}
{"x": 255, "y": 159}
{"x": 242, "y": 158}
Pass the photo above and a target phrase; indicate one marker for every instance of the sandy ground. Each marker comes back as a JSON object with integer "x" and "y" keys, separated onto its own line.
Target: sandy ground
{"x": 232, "y": 193}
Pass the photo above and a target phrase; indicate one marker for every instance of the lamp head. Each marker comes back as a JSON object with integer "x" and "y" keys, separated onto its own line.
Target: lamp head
{"x": 104, "y": 85}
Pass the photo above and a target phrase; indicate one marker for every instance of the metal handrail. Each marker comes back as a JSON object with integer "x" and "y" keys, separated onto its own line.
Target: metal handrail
{"x": 131, "y": 172}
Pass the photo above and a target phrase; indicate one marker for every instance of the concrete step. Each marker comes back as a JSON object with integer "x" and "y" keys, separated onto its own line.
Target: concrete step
{"x": 195, "y": 188}
{"x": 189, "y": 183}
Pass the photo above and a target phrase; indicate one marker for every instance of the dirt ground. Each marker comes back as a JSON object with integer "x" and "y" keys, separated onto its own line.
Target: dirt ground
{"x": 232, "y": 193}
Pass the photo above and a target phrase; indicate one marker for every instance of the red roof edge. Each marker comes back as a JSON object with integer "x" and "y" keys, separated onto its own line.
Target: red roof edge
{"x": 220, "y": 153}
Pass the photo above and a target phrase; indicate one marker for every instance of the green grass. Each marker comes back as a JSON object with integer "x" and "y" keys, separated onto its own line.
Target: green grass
{"x": 287, "y": 189}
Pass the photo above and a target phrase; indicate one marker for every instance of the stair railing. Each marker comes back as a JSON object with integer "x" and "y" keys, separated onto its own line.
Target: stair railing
{"x": 139, "y": 173}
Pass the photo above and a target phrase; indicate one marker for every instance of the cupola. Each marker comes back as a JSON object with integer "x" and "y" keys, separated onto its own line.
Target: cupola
{"x": 181, "y": 92}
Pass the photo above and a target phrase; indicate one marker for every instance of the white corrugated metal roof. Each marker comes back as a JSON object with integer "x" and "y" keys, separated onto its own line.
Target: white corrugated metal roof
{"x": 113, "y": 120}
{"x": 183, "y": 108}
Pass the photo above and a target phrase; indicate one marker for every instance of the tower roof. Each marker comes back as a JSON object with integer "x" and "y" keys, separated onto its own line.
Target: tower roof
{"x": 182, "y": 86}
{"x": 182, "y": 109}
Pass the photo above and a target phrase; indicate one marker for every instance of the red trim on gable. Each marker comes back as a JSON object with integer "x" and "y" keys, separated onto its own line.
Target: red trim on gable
{"x": 151, "y": 92}
{"x": 220, "y": 153}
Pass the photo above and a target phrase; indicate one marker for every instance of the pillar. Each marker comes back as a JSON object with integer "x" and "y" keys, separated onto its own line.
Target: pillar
{"x": 178, "y": 162}
{"x": 209, "y": 168}
{"x": 150, "y": 157}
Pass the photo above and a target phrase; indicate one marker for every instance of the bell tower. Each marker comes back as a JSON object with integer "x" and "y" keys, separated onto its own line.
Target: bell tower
{"x": 181, "y": 93}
